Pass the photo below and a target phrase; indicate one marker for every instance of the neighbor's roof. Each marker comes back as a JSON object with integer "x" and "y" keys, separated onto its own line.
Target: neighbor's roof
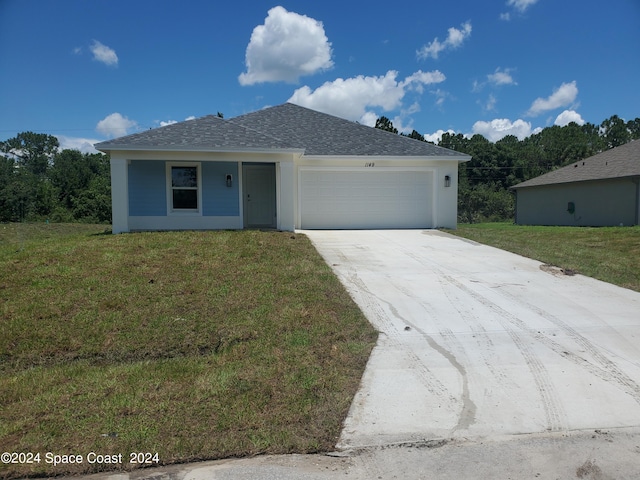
{"x": 283, "y": 127}
{"x": 622, "y": 161}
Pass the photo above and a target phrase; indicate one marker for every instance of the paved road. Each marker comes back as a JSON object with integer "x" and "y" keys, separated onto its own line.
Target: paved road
{"x": 477, "y": 342}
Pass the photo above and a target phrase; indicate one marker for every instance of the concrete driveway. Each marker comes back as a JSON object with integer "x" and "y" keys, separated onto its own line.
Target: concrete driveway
{"x": 477, "y": 342}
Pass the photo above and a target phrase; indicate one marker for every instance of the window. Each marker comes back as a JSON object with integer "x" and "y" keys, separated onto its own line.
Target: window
{"x": 183, "y": 182}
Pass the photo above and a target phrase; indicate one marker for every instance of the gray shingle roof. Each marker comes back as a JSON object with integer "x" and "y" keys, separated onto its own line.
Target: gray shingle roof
{"x": 622, "y": 161}
{"x": 205, "y": 133}
{"x": 283, "y": 127}
{"x": 322, "y": 134}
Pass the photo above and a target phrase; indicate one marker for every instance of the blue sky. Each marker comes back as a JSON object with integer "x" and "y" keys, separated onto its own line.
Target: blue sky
{"x": 87, "y": 71}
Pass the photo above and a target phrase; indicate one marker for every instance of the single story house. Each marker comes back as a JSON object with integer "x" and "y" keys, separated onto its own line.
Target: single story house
{"x": 603, "y": 190}
{"x": 284, "y": 167}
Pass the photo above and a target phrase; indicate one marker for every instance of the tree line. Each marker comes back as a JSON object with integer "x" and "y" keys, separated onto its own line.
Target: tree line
{"x": 40, "y": 182}
{"x": 484, "y": 181}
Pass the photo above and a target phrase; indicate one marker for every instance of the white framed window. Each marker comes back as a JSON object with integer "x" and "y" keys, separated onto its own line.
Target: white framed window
{"x": 184, "y": 188}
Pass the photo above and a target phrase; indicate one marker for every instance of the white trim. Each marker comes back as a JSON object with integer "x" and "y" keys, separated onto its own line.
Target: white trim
{"x": 199, "y": 156}
{"x": 185, "y": 222}
{"x": 278, "y": 196}
{"x": 368, "y": 169}
{"x": 334, "y": 159}
{"x": 241, "y": 194}
{"x": 130, "y": 148}
{"x": 435, "y": 198}
{"x": 286, "y": 194}
{"x": 183, "y": 212}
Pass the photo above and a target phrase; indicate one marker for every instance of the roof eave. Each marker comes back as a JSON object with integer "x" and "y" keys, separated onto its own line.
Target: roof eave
{"x": 548, "y": 184}
{"x": 458, "y": 158}
{"x": 142, "y": 148}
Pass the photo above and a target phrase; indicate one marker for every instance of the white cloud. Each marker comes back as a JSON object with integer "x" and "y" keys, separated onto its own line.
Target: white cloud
{"x": 501, "y": 127}
{"x": 369, "y": 119}
{"x": 568, "y": 116}
{"x": 441, "y": 96}
{"x": 350, "y": 98}
{"x": 164, "y": 123}
{"x": 115, "y": 125}
{"x": 399, "y": 123}
{"x": 285, "y": 48}
{"x": 521, "y": 5}
{"x": 416, "y": 81}
{"x": 490, "y": 105}
{"x": 85, "y": 145}
{"x": 497, "y": 79}
{"x": 413, "y": 108}
{"x": 437, "y": 136}
{"x": 563, "y": 96}
{"x": 103, "y": 54}
{"x": 454, "y": 40}
{"x": 501, "y": 77}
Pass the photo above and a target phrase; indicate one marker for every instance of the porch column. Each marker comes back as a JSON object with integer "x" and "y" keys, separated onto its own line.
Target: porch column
{"x": 119, "y": 195}
{"x": 286, "y": 217}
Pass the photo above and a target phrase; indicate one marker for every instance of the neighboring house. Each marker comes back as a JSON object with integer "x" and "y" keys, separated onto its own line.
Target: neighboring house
{"x": 284, "y": 167}
{"x": 603, "y": 190}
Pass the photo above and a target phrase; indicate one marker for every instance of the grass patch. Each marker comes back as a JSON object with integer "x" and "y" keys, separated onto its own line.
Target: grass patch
{"x": 195, "y": 345}
{"x": 610, "y": 254}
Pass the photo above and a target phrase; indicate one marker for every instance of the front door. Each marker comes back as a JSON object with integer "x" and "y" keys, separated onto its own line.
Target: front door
{"x": 259, "y": 190}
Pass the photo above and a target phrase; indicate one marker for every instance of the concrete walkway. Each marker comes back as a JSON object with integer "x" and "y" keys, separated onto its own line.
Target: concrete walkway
{"x": 489, "y": 366}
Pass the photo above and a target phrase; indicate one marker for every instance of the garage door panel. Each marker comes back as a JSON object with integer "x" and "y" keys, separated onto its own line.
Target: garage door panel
{"x": 372, "y": 199}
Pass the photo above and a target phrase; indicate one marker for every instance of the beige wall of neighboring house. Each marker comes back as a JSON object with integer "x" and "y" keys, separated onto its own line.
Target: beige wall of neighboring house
{"x": 596, "y": 203}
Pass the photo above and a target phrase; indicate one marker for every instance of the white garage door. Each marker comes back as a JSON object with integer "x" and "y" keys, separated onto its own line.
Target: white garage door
{"x": 367, "y": 198}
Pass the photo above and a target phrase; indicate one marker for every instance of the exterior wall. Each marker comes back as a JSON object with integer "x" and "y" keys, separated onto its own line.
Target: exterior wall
{"x": 598, "y": 203}
{"x": 140, "y": 185}
{"x": 447, "y": 197}
{"x": 147, "y": 187}
{"x": 217, "y": 198}
{"x": 140, "y": 188}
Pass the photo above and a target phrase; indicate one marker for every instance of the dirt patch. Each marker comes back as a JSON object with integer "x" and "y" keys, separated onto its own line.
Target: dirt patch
{"x": 590, "y": 471}
{"x": 558, "y": 271}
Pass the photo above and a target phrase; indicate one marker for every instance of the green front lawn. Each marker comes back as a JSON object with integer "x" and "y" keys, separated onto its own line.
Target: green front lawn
{"x": 611, "y": 254}
{"x": 194, "y": 345}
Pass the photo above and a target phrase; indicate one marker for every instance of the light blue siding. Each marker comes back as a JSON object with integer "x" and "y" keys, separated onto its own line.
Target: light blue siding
{"x": 147, "y": 188}
{"x": 218, "y": 200}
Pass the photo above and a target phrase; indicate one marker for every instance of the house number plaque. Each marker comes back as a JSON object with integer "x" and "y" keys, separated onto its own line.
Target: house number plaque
{"x": 369, "y": 164}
